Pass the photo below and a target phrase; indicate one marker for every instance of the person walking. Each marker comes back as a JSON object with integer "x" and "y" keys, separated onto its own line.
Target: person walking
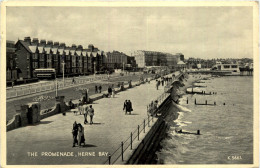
{"x": 73, "y": 81}
{"x": 96, "y": 89}
{"x": 100, "y": 88}
{"x": 85, "y": 111}
{"x": 91, "y": 114}
{"x": 125, "y": 106}
{"x": 80, "y": 107}
{"x": 157, "y": 84}
{"x": 129, "y": 106}
{"x": 81, "y": 137}
{"x": 75, "y": 133}
{"x": 109, "y": 90}
{"x": 113, "y": 92}
{"x": 162, "y": 81}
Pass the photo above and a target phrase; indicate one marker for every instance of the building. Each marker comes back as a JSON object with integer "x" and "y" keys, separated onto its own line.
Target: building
{"x": 11, "y": 70}
{"x": 153, "y": 58}
{"x": 115, "y": 60}
{"x": 32, "y": 54}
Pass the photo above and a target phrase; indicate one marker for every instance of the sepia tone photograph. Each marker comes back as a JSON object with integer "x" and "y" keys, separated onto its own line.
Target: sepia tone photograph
{"x": 118, "y": 84}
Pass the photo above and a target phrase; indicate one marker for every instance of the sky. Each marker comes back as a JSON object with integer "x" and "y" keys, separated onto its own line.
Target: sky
{"x": 200, "y": 32}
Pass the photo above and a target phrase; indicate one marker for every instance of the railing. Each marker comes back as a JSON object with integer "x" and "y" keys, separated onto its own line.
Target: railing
{"x": 37, "y": 88}
{"x": 119, "y": 152}
{"x": 128, "y": 143}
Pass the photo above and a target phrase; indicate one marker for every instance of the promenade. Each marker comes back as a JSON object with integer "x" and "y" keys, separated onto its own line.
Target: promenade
{"x": 53, "y": 134}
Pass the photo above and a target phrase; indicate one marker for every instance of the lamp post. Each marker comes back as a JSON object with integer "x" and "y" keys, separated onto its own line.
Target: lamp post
{"x": 56, "y": 85}
{"x": 63, "y": 63}
{"x": 94, "y": 68}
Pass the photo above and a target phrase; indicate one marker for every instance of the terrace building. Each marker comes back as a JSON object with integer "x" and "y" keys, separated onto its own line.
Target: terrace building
{"x": 11, "y": 71}
{"x": 32, "y": 54}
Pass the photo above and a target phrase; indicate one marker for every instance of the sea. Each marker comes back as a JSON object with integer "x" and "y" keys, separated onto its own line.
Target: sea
{"x": 226, "y": 128}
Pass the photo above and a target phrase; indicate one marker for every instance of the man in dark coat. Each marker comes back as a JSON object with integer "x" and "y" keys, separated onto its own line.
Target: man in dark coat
{"x": 125, "y": 106}
{"x": 75, "y": 133}
{"x": 96, "y": 89}
{"x": 109, "y": 90}
{"x": 100, "y": 88}
{"x": 129, "y": 106}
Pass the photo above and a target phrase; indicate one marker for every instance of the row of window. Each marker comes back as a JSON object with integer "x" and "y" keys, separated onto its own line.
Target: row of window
{"x": 228, "y": 66}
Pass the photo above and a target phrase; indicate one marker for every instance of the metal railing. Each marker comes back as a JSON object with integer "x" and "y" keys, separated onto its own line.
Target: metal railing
{"x": 37, "y": 88}
{"x": 128, "y": 143}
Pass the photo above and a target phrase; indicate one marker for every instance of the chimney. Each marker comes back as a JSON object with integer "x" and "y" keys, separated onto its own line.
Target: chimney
{"x": 91, "y": 47}
{"x": 27, "y": 39}
{"x": 74, "y": 46}
{"x": 56, "y": 43}
{"x": 35, "y": 41}
{"x": 80, "y": 47}
{"x": 62, "y": 45}
{"x": 50, "y": 42}
{"x": 43, "y": 41}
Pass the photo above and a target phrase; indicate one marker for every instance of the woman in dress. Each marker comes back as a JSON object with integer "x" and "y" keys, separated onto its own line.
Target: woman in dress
{"x": 81, "y": 134}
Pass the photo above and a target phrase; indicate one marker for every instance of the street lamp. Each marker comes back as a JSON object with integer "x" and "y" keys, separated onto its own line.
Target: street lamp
{"x": 63, "y": 63}
{"x": 56, "y": 85}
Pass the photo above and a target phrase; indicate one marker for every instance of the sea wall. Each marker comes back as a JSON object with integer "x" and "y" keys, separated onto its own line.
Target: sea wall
{"x": 145, "y": 151}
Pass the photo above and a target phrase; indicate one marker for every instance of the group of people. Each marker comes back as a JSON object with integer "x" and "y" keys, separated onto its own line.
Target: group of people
{"x": 86, "y": 110}
{"x": 163, "y": 81}
{"x": 127, "y": 106}
{"x": 98, "y": 89}
{"x": 152, "y": 108}
{"x": 78, "y": 134}
{"x": 111, "y": 91}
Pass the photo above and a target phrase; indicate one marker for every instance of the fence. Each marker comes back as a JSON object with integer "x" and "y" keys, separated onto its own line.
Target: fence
{"x": 119, "y": 152}
{"x": 37, "y": 88}
{"x": 128, "y": 143}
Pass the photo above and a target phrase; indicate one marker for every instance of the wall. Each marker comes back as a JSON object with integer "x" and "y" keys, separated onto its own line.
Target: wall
{"x": 31, "y": 113}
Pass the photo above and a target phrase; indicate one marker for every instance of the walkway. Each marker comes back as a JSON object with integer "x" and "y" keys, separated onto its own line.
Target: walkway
{"x": 53, "y": 134}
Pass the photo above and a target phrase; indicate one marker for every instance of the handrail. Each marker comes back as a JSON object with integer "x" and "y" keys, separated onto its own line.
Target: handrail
{"x": 112, "y": 158}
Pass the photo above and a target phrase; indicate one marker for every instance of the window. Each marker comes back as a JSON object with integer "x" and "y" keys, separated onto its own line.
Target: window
{"x": 35, "y": 56}
{"x": 234, "y": 66}
{"x": 226, "y": 66}
{"x": 35, "y": 65}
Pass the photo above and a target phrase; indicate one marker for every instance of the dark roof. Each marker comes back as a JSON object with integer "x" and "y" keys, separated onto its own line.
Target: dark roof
{"x": 26, "y": 45}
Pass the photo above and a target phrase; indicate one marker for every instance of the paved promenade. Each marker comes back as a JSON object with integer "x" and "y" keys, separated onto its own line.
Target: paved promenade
{"x": 53, "y": 134}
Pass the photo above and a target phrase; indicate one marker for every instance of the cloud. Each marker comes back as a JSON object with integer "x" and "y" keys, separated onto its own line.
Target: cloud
{"x": 205, "y": 32}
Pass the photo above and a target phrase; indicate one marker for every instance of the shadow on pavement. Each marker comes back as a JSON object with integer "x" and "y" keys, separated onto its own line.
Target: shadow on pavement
{"x": 41, "y": 122}
{"x": 88, "y": 146}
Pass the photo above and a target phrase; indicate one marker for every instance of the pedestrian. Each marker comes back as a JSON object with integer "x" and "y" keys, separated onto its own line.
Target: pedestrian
{"x": 71, "y": 105}
{"x": 80, "y": 107}
{"x": 85, "y": 112}
{"x": 81, "y": 137}
{"x": 96, "y": 89}
{"x": 100, "y": 88}
{"x": 125, "y": 106}
{"x": 113, "y": 92}
{"x": 12, "y": 84}
{"x": 129, "y": 106}
{"x": 109, "y": 90}
{"x": 157, "y": 84}
{"x": 91, "y": 114}
{"x": 75, "y": 133}
{"x": 163, "y": 82}
{"x": 73, "y": 80}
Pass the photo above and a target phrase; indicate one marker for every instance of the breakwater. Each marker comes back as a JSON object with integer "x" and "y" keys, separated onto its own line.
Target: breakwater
{"x": 222, "y": 126}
